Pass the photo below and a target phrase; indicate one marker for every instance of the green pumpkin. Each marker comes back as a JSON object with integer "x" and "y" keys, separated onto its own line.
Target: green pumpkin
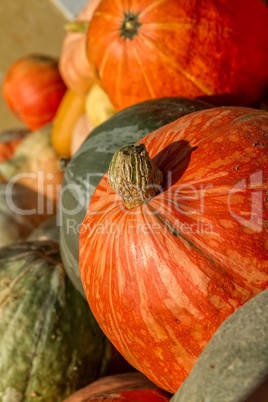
{"x": 50, "y": 344}
{"x": 91, "y": 162}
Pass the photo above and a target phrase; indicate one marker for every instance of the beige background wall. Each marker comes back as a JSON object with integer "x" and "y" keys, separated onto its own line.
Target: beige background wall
{"x": 26, "y": 26}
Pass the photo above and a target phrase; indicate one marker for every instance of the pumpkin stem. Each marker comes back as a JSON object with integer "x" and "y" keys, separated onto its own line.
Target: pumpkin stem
{"x": 130, "y": 25}
{"x": 76, "y": 26}
{"x": 134, "y": 176}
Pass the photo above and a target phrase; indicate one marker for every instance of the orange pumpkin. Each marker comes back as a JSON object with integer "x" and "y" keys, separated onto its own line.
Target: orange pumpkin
{"x": 144, "y": 49}
{"x": 160, "y": 278}
{"x": 74, "y": 66}
{"x": 33, "y": 89}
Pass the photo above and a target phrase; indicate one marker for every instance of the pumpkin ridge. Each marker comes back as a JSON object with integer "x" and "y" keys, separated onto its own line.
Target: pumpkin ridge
{"x": 177, "y": 66}
{"x": 216, "y": 265}
{"x": 171, "y": 25}
{"x": 143, "y": 73}
{"x": 106, "y": 57}
{"x": 110, "y": 279}
{"x": 120, "y": 339}
{"x": 118, "y": 76}
{"x": 187, "y": 22}
{"x": 106, "y": 15}
{"x": 151, "y": 6}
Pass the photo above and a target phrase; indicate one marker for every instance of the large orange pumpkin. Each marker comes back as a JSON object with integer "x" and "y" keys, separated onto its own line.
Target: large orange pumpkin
{"x": 144, "y": 49}
{"x": 161, "y": 277}
{"x": 74, "y": 66}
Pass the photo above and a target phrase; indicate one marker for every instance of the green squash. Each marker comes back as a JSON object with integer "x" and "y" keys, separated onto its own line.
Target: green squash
{"x": 235, "y": 361}
{"x": 50, "y": 344}
{"x": 91, "y": 162}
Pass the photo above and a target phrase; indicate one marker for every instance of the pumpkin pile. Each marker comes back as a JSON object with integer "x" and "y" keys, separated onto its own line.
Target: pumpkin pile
{"x": 134, "y": 207}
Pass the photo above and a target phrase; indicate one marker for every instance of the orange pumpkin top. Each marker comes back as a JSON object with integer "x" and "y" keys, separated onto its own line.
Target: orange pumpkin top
{"x": 149, "y": 48}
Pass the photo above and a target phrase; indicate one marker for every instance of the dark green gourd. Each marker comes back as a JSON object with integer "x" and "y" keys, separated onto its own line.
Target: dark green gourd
{"x": 50, "y": 344}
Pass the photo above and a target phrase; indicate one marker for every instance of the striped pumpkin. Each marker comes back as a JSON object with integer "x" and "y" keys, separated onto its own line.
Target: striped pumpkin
{"x": 161, "y": 277}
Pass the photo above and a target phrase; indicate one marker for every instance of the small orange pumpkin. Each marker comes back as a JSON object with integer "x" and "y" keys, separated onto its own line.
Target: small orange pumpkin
{"x": 33, "y": 89}
{"x": 74, "y": 66}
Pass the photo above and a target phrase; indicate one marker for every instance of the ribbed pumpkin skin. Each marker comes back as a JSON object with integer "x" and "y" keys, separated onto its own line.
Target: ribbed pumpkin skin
{"x": 181, "y": 48}
{"x": 162, "y": 277}
{"x": 91, "y": 162}
{"x": 50, "y": 343}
